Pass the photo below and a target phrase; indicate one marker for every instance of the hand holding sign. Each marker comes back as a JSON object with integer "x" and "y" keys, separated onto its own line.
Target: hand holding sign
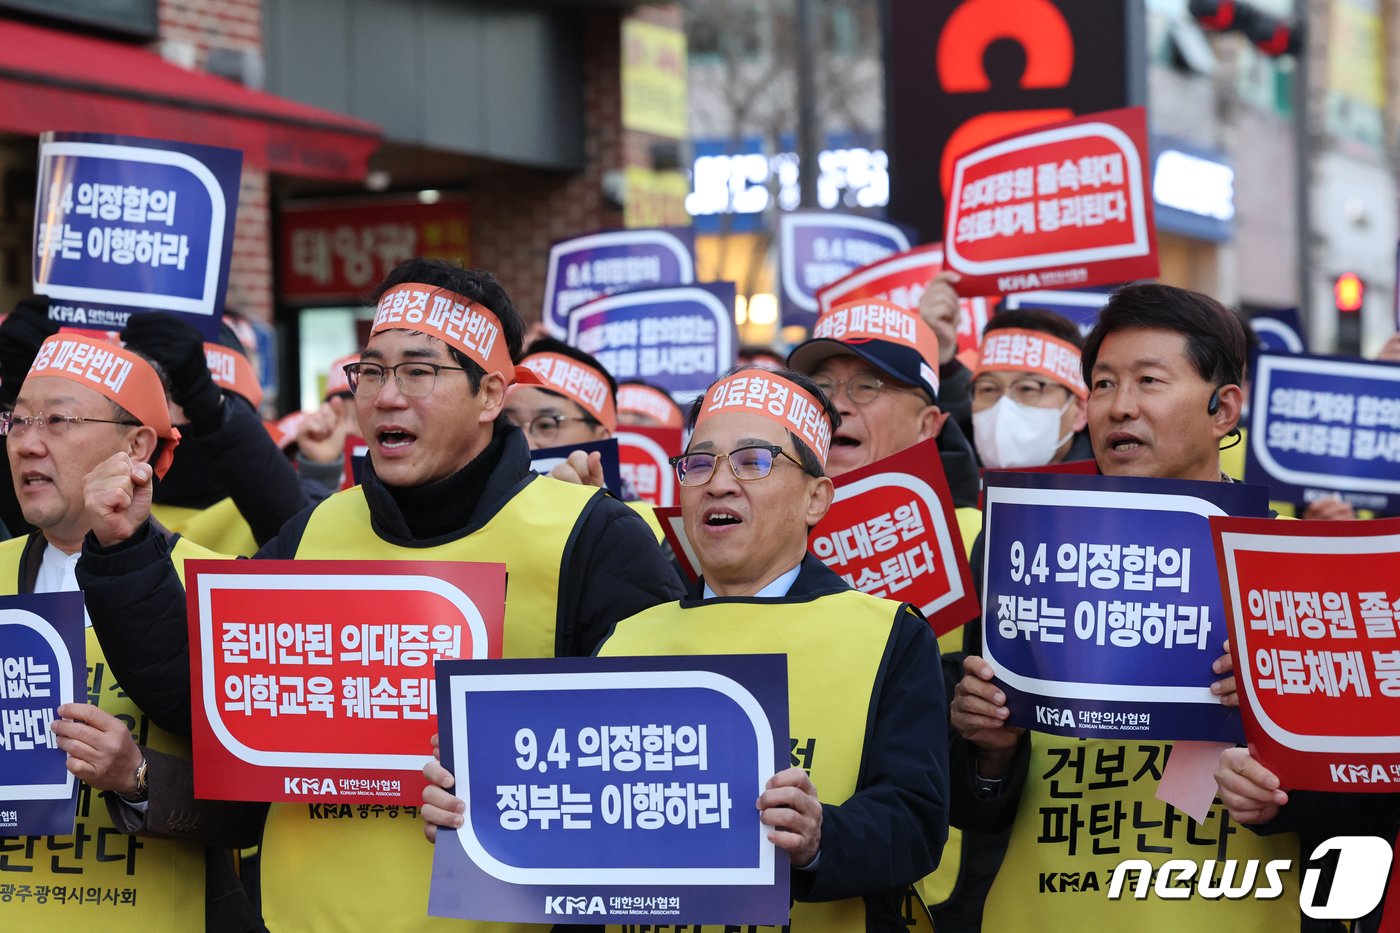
{"x": 979, "y": 715}
{"x": 1225, "y": 687}
{"x": 100, "y": 748}
{"x": 939, "y": 308}
{"x": 789, "y": 804}
{"x": 117, "y": 496}
{"x": 1248, "y": 789}
{"x": 440, "y": 807}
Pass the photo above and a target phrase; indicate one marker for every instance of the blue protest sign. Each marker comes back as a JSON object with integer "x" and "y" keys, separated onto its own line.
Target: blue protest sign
{"x": 124, "y": 224}
{"x": 547, "y": 458}
{"x": 1326, "y": 425}
{"x": 1081, "y": 307}
{"x": 42, "y": 665}
{"x": 1102, "y": 607}
{"x": 612, "y": 790}
{"x": 815, "y": 248}
{"x": 677, "y": 339}
{"x": 582, "y": 268}
{"x": 1279, "y": 330}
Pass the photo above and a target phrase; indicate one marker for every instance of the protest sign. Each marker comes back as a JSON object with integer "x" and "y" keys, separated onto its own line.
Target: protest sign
{"x": 891, "y": 532}
{"x": 1324, "y": 425}
{"x": 547, "y": 458}
{"x": 123, "y": 225}
{"x": 1314, "y": 615}
{"x": 673, "y": 528}
{"x": 1060, "y": 206}
{"x": 816, "y": 248}
{"x": 902, "y": 279}
{"x": 313, "y": 680}
{"x": 1279, "y": 330}
{"x": 612, "y": 790}
{"x": 42, "y": 665}
{"x": 585, "y": 267}
{"x": 1102, "y": 611}
{"x": 646, "y": 462}
{"x": 1068, "y": 467}
{"x": 356, "y": 450}
{"x": 677, "y": 339}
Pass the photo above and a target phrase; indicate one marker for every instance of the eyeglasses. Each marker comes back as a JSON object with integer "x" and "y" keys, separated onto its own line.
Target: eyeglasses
{"x": 13, "y": 425}
{"x": 545, "y": 428}
{"x": 862, "y": 389}
{"x": 1027, "y": 391}
{"x": 747, "y": 464}
{"x": 414, "y": 379}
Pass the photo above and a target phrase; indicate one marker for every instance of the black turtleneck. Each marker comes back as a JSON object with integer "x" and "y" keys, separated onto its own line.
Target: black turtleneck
{"x": 434, "y": 509}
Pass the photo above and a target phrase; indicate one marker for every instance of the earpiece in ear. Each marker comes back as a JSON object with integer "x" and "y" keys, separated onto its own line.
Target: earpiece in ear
{"x": 1213, "y": 405}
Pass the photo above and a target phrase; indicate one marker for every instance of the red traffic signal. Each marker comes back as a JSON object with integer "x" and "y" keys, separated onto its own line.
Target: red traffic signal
{"x": 1350, "y": 292}
{"x": 1271, "y": 35}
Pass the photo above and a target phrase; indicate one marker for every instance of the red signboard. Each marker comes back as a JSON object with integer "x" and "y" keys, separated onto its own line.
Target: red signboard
{"x": 1314, "y": 610}
{"x": 338, "y": 252}
{"x": 645, "y": 455}
{"x": 892, "y": 532}
{"x": 356, "y": 450}
{"x": 673, "y": 528}
{"x": 313, "y": 680}
{"x": 901, "y": 279}
{"x": 1061, "y": 206}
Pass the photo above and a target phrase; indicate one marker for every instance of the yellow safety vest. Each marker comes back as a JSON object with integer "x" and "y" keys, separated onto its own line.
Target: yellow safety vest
{"x": 100, "y": 878}
{"x": 1089, "y": 804}
{"x": 221, "y": 527}
{"x": 337, "y": 867}
{"x": 834, "y": 645}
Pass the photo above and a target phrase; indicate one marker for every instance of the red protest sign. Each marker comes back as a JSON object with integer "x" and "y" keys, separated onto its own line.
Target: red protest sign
{"x": 1059, "y": 206}
{"x": 891, "y": 532}
{"x": 356, "y": 450}
{"x": 313, "y": 680}
{"x": 902, "y": 279}
{"x": 673, "y": 528}
{"x": 645, "y": 454}
{"x": 1314, "y": 610}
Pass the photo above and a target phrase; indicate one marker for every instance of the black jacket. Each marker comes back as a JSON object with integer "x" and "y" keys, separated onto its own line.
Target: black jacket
{"x": 891, "y": 831}
{"x": 613, "y": 569}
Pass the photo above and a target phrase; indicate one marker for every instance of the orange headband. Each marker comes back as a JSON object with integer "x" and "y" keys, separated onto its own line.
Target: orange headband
{"x": 873, "y": 319}
{"x": 452, "y": 318}
{"x": 577, "y": 381}
{"x": 231, "y": 370}
{"x": 117, "y": 373}
{"x": 644, "y": 400}
{"x": 776, "y": 398}
{"x": 1015, "y": 349}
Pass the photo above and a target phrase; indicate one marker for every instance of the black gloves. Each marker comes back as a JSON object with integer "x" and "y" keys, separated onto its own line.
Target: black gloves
{"x": 179, "y": 348}
{"x": 21, "y": 334}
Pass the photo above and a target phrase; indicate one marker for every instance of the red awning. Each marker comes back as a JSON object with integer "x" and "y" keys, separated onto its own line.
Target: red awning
{"x": 52, "y": 80}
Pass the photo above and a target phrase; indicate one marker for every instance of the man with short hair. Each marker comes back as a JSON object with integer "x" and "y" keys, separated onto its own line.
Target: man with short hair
{"x": 86, "y": 400}
{"x": 1029, "y": 401}
{"x": 574, "y": 401}
{"x": 1164, "y": 368}
{"x": 446, "y": 479}
{"x": 878, "y": 362}
{"x": 864, "y": 679}
{"x": 643, "y": 405}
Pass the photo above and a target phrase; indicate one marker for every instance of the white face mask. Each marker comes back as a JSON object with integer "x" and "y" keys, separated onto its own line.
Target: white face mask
{"x": 1010, "y": 435}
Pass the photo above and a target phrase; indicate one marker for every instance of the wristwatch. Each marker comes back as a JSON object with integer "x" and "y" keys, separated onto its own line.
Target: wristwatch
{"x": 142, "y": 791}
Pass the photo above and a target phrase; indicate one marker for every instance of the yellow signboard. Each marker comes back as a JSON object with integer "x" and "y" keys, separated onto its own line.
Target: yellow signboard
{"x": 653, "y": 79}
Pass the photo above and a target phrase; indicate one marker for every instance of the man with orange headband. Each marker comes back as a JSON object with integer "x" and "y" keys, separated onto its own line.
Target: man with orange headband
{"x": 645, "y": 406}
{"x": 85, "y": 400}
{"x": 573, "y": 401}
{"x": 1029, "y": 401}
{"x": 446, "y": 479}
{"x": 863, "y": 811}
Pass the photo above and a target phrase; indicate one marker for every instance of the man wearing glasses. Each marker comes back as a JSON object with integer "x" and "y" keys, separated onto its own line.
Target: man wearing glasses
{"x": 1029, "y": 401}
{"x": 446, "y": 479}
{"x": 85, "y": 400}
{"x": 865, "y": 813}
{"x": 878, "y": 363}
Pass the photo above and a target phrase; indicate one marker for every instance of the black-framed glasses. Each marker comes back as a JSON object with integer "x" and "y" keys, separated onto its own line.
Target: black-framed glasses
{"x": 862, "y": 389}
{"x": 746, "y": 463}
{"x": 545, "y": 428}
{"x": 414, "y": 379}
{"x": 13, "y": 425}
{"x": 1028, "y": 391}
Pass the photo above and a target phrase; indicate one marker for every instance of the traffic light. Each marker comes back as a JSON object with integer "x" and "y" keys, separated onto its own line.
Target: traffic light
{"x": 1350, "y": 292}
{"x": 1270, "y": 34}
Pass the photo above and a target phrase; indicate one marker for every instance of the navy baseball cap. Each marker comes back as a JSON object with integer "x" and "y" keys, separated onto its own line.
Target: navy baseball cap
{"x": 893, "y": 340}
